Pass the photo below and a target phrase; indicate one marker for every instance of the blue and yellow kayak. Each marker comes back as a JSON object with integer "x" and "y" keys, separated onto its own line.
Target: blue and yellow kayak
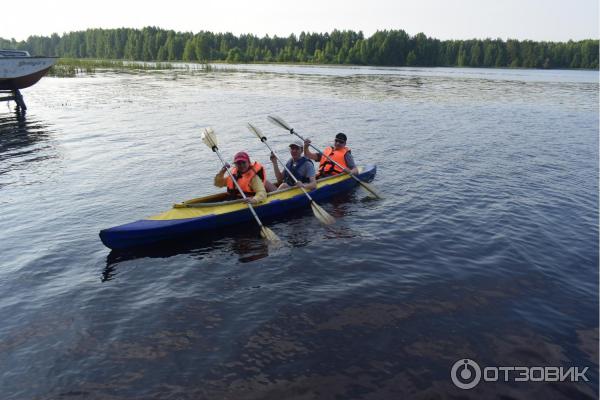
{"x": 206, "y": 214}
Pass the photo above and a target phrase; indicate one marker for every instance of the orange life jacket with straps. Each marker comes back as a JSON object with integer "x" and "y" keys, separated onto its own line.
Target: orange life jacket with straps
{"x": 326, "y": 167}
{"x": 244, "y": 179}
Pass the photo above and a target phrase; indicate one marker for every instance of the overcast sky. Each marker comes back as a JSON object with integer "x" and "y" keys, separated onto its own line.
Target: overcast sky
{"x": 549, "y": 20}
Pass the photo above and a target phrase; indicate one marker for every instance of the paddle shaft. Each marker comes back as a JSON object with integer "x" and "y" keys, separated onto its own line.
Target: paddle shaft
{"x": 293, "y": 132}
{"x": 264, "y": 140}
{"x": 216, "y": 150}
{"x": 279, "y": 122}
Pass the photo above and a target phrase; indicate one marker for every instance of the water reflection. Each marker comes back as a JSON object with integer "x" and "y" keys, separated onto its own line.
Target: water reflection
{"x": 18, "y": 131}
{"x": 246, "y": 244}
{"x": 25, "y": 144}
{"x": 244, "y": 240}
{"x": 250, "y": 249}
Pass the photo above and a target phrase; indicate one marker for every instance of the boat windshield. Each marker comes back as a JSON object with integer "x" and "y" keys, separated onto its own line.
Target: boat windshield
{"x": 14, "y": 53}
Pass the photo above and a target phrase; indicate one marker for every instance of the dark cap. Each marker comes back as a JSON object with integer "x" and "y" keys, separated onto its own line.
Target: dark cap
{"x": 341, "y": 136}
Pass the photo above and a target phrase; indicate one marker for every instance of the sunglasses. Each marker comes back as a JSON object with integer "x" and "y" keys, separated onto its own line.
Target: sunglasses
{"x": 340, "y": 141}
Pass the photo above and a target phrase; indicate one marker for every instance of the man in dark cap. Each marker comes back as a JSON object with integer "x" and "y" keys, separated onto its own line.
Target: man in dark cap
{"x": 338, "y": 152}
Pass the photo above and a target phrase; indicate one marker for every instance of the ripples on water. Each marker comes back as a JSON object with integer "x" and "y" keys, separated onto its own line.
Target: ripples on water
{"x": 486, "y": 245}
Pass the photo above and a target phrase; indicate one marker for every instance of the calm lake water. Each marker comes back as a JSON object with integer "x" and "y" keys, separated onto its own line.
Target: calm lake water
{"x": 485, "y": 246}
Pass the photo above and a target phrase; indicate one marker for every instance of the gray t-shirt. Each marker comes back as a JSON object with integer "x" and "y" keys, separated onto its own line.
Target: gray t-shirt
{"x": 306, "y": 171}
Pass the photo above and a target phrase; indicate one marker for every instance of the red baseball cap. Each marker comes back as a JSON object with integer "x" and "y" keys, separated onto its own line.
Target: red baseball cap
{"x": 241, "y": 156}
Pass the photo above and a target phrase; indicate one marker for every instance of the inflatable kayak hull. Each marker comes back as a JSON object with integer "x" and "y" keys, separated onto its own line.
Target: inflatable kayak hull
{"x": 207, "y": 214}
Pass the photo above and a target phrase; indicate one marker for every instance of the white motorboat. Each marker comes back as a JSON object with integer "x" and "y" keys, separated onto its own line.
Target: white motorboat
{"x": 19, "y": 70}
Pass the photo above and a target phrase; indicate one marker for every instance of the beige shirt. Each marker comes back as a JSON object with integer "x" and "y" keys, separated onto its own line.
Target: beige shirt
{"x": 257, "y": 185}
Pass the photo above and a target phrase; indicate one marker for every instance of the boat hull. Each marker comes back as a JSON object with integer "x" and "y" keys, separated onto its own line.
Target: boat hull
{"x": 22, "y": 72}
{"x": 182, "y": 221}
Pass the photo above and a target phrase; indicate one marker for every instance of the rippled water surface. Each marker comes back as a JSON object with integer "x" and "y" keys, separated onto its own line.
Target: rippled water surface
{"x": 485, "y": 246}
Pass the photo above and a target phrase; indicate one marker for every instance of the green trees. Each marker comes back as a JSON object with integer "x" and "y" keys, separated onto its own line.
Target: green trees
{"x": 388, "y": 47}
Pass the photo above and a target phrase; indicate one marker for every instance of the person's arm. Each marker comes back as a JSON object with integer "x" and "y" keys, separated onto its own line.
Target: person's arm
{"x": 308, "y": 154}
{"x": 312, "y": 184}
{"x": 350, "y": 163}
{"x": 220, "y": 179}
{"x": 309, "y": 172}
{"x": 258, "y": 188}
{"x": 278, "y": 174}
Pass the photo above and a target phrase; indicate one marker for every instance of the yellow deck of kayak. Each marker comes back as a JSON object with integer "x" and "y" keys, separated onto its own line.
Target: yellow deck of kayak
{"x": 214, "y": 204}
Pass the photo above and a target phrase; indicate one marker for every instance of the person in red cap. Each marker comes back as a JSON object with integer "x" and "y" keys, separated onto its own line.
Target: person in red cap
{"x": 338, "y": 152}
{"x": 251, "y": 177}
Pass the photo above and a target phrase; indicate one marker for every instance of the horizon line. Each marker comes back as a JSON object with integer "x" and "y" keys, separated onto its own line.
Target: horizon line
{"x": 506, "y": 38}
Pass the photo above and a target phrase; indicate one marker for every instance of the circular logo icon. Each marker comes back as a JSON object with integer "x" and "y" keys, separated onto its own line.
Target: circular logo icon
{"x": 465, "y": 374}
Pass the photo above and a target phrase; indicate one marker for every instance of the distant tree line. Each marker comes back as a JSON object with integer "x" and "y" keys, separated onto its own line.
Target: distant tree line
{"x": 385, "y": 48}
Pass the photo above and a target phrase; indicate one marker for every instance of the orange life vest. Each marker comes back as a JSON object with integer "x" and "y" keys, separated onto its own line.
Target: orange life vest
{"x": 244, "y": 179}
{"x": 326, "y": 167}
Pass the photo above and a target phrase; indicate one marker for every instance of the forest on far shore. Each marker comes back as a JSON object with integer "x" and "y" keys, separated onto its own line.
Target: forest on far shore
{"x": 383, "y": 48}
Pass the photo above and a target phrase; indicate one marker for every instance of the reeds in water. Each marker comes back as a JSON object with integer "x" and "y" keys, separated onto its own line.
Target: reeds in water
{"x": 71, "y": 67}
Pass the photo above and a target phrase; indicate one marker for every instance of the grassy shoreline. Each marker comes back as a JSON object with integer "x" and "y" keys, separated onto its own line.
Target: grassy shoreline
{"x": 72, "y": 67}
